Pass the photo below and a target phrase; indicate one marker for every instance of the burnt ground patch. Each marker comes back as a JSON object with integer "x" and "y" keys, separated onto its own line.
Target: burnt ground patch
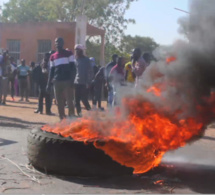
{"x": 197, "y": 177}
{"x": 166, "y": 178}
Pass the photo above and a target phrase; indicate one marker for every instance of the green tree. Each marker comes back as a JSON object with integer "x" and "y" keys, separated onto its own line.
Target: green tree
{"x": 106, "y": 14}
{"x": 146, "y": 44}
{"x": 125, "y": 47}
{"x": 93, "y": 50}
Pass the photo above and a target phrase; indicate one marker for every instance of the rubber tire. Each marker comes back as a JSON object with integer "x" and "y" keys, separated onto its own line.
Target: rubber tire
{"x": 51, "y": 153}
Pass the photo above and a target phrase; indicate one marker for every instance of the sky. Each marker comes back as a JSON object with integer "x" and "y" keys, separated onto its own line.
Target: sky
{"x": 155, "y": 18}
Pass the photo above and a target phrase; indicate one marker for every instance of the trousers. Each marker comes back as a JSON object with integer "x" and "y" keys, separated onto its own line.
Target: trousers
{"x": 3, "y": 88}
{"x": 23, "y": 88}
{"x": 81, "y": 94}
{"x": 64, "y": 92}
{"x": 43, "y": 94}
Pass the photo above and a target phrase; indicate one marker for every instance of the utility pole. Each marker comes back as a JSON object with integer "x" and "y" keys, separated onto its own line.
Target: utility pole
{"x": 181, "y": 10}
{"x": 82, "y": 7}
{"x": 81, "y": 25}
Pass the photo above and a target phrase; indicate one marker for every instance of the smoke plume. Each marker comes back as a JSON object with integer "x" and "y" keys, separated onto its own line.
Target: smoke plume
{"x": 191, "y": 77}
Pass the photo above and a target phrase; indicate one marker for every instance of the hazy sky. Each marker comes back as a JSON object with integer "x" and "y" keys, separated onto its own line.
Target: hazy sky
{"x": 155, "y": 18}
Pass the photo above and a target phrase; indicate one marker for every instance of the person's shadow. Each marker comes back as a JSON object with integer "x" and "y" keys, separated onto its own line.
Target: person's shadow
{"x": 16, "y": 122}
{"x": 4, "y": 142}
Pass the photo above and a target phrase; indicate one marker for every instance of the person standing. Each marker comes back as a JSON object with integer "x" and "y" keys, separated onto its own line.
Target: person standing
{"x": 83, "y": 79}
{"x": 40, "y": 76}
{"x": 107, "y": 72}
{"x": 95, "y": 70}
{"x": 52, "y": 88}
{"x": 117, "y": 79}
{"x": 23, "y": 72}
{"x": 94, "y": 66}
{"x": 98, "y": 82}
{"x": 12, "y": 76}
{"x": 129, "y": 74}
{"x": 1, "y": 68}
{"x": 5, "y": 66}
{"x": 33, "y": 85}
{"x": 62, "y": 74}
{"x": 138, "y": 64}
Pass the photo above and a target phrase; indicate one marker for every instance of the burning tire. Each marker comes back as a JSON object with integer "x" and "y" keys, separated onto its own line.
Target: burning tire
{"x": 52, "y": 153}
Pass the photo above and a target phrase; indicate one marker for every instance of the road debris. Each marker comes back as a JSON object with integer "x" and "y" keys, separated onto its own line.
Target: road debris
{"x": 33, "y": 178}
{"x": 14, "y": 188}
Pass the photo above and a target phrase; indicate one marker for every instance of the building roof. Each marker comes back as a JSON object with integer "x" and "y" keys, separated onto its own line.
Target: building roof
{"x": 91, "y": 30}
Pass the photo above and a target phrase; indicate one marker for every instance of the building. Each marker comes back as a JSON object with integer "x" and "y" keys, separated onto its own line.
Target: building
{"x": 30, "y": 41}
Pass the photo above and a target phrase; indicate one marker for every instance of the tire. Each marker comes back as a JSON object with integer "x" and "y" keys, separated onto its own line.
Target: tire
{"x": 51, "y": 153}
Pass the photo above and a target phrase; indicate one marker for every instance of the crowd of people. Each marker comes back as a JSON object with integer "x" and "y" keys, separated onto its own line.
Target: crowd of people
{"x": 68, "y": 79}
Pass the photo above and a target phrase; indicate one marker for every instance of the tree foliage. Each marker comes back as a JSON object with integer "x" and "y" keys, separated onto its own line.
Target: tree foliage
{"x": 146, "y": 44}
{"x": 94, "y": 49}
{"x": 106, "y": 14}
{"x": 127, "y": 44}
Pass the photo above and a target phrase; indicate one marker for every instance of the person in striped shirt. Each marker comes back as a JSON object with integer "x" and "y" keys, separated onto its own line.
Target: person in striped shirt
{"x": 62, "y": 75}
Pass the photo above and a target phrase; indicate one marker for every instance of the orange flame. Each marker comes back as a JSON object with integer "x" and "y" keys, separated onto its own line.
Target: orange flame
{"x": 171, "y": 59}
{"x": 155, "y": 90}
{"x": 139, "y": 138}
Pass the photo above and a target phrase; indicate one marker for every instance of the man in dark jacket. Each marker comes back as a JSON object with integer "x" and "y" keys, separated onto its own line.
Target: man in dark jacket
{"x": 12, "y": 76}
{"x": 40, "y": 76}
{"x": 98, "y": 82}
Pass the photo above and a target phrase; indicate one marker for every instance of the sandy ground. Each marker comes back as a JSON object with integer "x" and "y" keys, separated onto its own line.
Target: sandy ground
{"x": 190, "y": 169}
{"x": 22, "y": 114}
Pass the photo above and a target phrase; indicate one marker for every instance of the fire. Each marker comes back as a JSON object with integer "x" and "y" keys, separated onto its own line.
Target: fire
{"x": 170, "y": 59}
{"x": 140, "y": 134}
{"x": 155, "y": 90}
